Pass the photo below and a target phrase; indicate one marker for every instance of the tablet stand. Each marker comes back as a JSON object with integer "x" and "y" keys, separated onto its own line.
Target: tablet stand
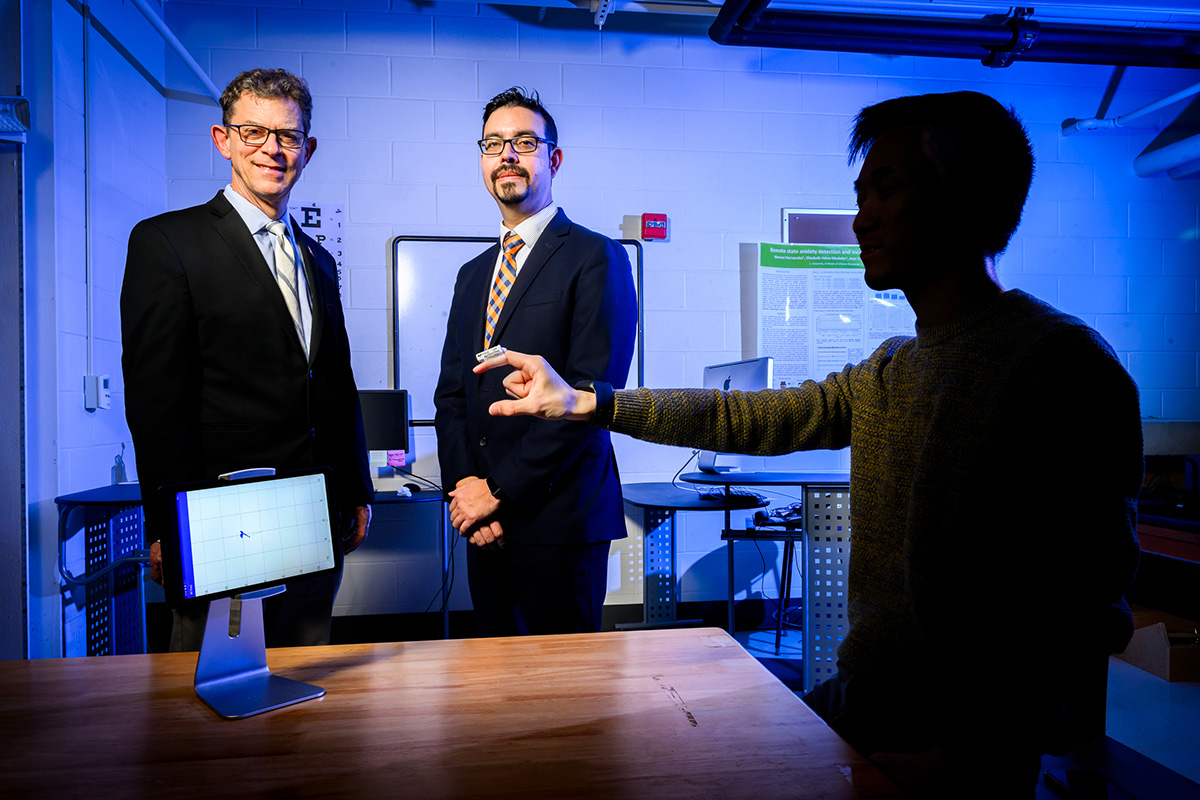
{"x": 232, "y": 675}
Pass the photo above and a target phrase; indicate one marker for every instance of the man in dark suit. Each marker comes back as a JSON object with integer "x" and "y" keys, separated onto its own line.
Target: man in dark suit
{"x": 538, "y": 502}
{"x": 235, "y": 348}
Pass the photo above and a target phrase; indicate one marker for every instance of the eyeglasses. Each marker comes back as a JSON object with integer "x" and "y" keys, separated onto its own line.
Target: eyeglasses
{"x": 494, "y": 145}
{"x": 255, "y": 135}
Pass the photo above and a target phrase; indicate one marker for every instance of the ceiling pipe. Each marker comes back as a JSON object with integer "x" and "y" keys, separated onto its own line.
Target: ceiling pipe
{"x": 176, "y": 45}
{"x": 1072, "y": 125}
{"x": 981, "y": 32}
{"x": 1168, "y": 157}
{"x": 736, "y": 13}
{"x": 1184, "y": 170}
{"x": 999, "y": 43}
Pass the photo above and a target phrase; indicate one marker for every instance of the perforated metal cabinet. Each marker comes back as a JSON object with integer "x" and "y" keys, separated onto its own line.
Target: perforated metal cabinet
{"x": 105, "y": 616}
{"x": 647, "y": 566}
{"x": 827, "y": 557}
{"x": 659, "y": 567}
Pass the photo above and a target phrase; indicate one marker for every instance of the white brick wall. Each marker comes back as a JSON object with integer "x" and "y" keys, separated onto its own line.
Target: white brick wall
{"x": 70, "y": 449}
{"x": 128, "y": 183}
{"x": 718, "y": 138}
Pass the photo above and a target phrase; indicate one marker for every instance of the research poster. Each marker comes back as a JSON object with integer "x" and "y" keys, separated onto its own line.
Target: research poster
{"x": 815, "y": 312}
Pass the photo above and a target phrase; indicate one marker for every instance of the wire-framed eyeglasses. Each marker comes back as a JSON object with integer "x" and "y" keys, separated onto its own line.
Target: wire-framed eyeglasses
{"x": 256, "y": 135}
{"x": 494, "y": 145}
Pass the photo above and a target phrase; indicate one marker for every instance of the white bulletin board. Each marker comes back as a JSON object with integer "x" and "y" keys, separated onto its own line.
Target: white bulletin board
{"x": 424, "y": 269}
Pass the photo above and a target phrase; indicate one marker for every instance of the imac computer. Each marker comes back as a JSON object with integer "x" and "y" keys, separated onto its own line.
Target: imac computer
{"x": 750, "y": 375}
{"x": 244, "y": 536}
{"x": 387, "y": 426}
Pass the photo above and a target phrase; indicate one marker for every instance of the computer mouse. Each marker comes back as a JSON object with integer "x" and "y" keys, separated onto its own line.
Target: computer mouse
{"x": 412, "y": 487}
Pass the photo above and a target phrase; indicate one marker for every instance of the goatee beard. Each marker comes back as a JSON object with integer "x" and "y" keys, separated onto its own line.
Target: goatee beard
{"x": 508, "y": 193}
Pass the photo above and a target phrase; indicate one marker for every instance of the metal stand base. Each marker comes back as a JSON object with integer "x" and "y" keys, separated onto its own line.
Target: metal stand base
{"x": 232, "y": 677}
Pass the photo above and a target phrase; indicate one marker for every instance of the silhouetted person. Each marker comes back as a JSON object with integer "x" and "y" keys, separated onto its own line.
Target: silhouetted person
{"x": 996, "y": 459}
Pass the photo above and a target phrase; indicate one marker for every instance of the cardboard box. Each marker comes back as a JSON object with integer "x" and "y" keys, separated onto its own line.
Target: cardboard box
{"x": 1151, "y": 648}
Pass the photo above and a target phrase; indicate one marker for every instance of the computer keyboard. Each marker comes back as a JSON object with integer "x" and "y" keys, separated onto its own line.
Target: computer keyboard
{"x": 735, "y": 496}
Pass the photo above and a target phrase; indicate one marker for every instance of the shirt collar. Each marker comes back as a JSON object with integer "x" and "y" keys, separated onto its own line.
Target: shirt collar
{"x": 530, "y": 229}
{"x": 251, "y": 214}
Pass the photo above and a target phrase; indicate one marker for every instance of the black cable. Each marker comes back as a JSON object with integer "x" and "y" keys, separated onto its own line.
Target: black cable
{"x": 447, "y": 582}
{"x": 425, "y": 480}
{"x": 762, "y": 581}
{"x": 792, "y": 566}
{"x": 780, "y": 609}
{"x": 679, "y": 472}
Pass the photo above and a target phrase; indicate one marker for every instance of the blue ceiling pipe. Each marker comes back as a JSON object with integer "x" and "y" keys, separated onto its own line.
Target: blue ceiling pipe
{"x": 996, "y": 43}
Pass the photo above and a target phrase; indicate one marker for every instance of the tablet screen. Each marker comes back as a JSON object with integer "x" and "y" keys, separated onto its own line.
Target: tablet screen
{"x": 234, "y": 537}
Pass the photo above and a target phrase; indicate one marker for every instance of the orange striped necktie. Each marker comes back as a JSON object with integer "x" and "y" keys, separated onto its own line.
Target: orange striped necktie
{"x": 501, "y": 286}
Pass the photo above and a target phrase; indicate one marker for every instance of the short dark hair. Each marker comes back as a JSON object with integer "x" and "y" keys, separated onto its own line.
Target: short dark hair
{"x": 267, "y": 83}
{"x": 518, "y": 96}
{"x": 980, "y": 148}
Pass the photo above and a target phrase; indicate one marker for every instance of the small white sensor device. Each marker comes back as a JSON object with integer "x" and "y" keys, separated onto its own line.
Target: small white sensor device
{"x": 493, "y": 356}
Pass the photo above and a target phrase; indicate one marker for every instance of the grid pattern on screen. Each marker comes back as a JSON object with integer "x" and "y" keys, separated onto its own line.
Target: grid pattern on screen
{"x": 258, "y": 533}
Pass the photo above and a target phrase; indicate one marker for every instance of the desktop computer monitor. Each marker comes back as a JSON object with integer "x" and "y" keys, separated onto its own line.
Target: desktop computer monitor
{"x": 232, "y": 537}
{"x": 386, "y": 424}
{"x": 749, "y": 375}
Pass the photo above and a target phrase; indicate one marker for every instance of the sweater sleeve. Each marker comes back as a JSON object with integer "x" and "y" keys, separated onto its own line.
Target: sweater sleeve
{"x": 771, "y": 422}
{"x": 817, "y": 415}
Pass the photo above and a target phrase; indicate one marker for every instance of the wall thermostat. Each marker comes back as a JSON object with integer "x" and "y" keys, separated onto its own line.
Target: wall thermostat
{"x": 96, "y": 392}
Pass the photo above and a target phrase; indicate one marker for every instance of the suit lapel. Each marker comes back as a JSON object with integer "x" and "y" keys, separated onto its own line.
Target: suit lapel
{"x": 232, "y": 229}
{"x": 547, "y": 244}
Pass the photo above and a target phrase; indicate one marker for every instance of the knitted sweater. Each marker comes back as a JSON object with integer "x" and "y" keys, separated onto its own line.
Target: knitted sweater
{"x": 995, "y": 464}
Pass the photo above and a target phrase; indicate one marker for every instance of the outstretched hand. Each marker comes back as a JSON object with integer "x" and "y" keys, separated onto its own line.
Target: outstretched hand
{"x": 538, "y": 390}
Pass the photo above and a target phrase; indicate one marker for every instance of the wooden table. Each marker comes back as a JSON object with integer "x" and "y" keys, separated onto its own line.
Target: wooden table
{"x": 640, "y": 714}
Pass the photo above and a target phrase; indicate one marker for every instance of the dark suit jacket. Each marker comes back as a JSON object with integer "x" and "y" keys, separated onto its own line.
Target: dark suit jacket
{"x": 574, "y": 304}
{"x": 215, "y": 375}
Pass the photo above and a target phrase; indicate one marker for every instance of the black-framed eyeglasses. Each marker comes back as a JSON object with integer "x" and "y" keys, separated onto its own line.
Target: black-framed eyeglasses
{"x": 255, "y": 135}
{"x": 494, "y": 145}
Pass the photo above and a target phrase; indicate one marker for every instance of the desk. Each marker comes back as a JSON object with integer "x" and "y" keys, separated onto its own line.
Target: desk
{"x": 393, "y": 572}
{"x": 826, "y": 525}
{"x": 682, "y": 713}
{"x": 660, "y": 501}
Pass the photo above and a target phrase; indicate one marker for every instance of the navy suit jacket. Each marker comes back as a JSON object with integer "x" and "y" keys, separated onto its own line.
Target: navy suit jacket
{"x": 574, "y": 304}
{"x": 215, "y": 376}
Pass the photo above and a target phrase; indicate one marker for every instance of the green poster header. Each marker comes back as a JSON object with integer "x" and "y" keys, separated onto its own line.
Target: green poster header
{"x": 809, "y": 256}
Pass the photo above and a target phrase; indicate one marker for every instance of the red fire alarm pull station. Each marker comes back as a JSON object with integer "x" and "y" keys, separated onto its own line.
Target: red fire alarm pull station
{"x": 654, "y": 226}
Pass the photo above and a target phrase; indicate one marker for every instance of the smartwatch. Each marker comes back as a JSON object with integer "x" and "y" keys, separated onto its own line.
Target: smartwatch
{"x": 494, "y": 488}
{"x": 604, "y": 397}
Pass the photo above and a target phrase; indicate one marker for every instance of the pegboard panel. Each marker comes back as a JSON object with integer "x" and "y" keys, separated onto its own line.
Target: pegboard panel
{"x": 660, "y": 569}
{"x": 647, "y": 565}
{"x": 827, "y": 559}
{"x": 112, "y": 618}
{"x": 99, "y": 593}
{"x": 128, "y": 600}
